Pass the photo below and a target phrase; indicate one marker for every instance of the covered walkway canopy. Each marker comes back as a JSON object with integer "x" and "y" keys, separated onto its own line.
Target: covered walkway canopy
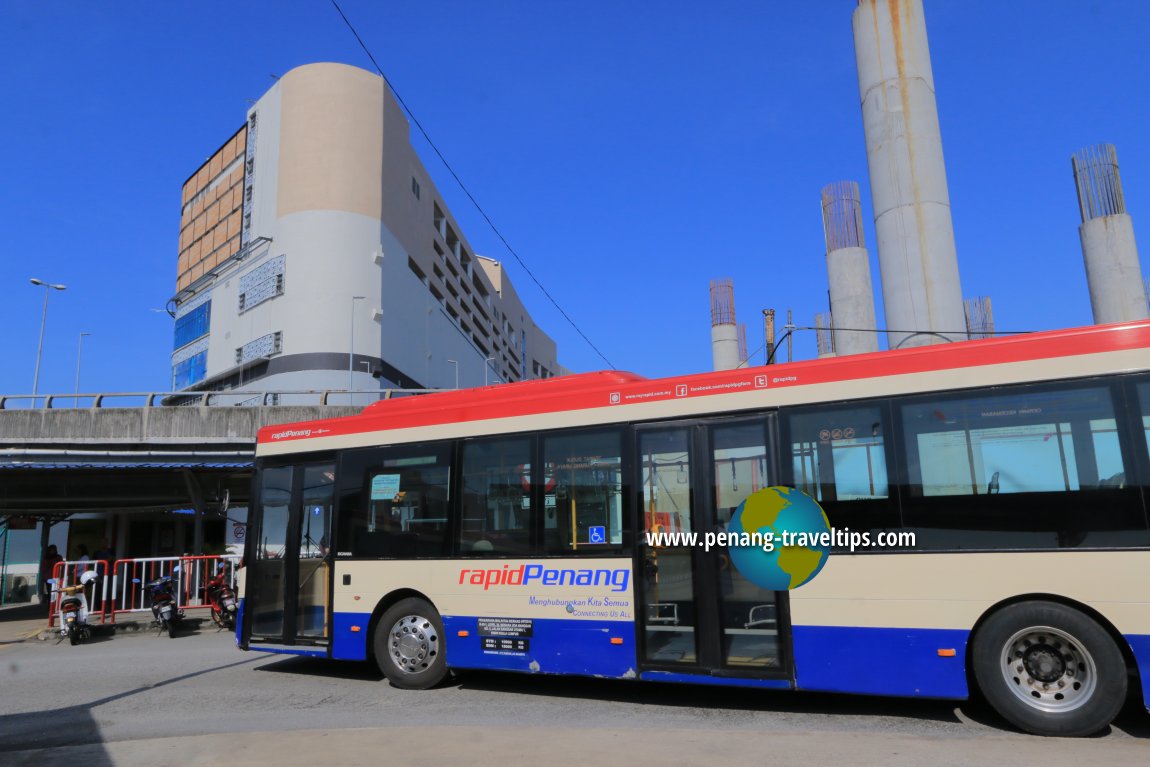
{"x": 47, "y": 484}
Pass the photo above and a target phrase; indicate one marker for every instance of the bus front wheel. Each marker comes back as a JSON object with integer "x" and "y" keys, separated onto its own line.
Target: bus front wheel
{"x": 1049, "y": 669}
{"x": 409, "y": 646}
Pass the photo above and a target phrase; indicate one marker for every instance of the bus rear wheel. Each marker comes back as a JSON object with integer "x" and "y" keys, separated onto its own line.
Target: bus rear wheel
{"x": 1049, "y": 669}
{"x": 409, "y": 646}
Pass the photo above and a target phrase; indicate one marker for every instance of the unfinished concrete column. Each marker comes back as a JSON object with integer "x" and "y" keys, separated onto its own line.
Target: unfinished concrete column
{"x": 1113, "y": 274}
{"x": 724, "y": 333}
{"x": 848, "y": 270}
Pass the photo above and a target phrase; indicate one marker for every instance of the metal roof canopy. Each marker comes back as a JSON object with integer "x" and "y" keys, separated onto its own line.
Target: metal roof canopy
{"x": 54, "y": 484}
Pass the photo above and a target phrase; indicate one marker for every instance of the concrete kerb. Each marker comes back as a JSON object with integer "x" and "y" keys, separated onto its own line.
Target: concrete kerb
{"x": 128, "y": 627}
{"x": 21, "y": 623}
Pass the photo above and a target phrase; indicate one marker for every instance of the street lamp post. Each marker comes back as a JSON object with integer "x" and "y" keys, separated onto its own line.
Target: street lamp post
{"x": 487, "y": 368}
{"x": 48, "y": 288}
{"x": 79, "y": 348}
{"x": 351, "y": 354}
{"x": 456, "y": 364}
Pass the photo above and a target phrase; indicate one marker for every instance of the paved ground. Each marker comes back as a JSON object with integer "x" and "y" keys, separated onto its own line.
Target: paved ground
{"x": 20, "y": 622}
{"x": 139, "y": 699}
{"x": 578, "y": 747}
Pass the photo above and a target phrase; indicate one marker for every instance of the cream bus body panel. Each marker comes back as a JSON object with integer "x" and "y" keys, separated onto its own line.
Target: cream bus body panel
{"x": 953, "y": 590}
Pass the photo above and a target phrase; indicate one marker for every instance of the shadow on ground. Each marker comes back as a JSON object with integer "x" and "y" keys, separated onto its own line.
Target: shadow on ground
{"x": 1133, "y": 719}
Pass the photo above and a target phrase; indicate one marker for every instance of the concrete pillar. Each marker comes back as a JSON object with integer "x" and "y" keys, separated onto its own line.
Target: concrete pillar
{"x": 724, "y": 331}
{"x": 1113, "y": 273}
{"x": 848, "y": 270}
{"x": 917, "y": 260}
{"x": 725, "y": 346}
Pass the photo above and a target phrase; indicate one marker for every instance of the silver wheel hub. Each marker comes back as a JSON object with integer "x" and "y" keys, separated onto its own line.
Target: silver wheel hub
{"x": 413, "y": 644}
{"x": 1048, "y": 669}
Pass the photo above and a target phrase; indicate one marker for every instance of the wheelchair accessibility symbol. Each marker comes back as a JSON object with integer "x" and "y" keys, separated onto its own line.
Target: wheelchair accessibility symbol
{"x": 597, "y": 534}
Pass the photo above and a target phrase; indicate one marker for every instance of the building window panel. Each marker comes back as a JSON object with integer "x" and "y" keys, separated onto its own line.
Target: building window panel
{"x": 416, "y": 270}
{"x": 194, "y": 323}
{"x": 190, "y": 371}
{"x": 264, "y": 346}
{"x": 263, "y": 283}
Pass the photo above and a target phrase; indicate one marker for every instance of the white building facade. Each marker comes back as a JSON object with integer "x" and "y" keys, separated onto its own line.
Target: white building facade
{"x": 317, "y": 254}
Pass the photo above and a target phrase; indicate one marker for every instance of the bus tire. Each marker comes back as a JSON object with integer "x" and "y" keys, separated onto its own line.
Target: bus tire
{"x": 408, "y": 645}
{"x": 1049, "y": 669}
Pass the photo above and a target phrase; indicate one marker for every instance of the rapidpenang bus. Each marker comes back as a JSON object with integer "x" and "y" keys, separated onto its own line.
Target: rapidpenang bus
{"x": 555, "y": 527}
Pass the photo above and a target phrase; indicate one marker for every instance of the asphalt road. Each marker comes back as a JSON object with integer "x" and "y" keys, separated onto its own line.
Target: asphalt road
{"x": 149, "y": 700}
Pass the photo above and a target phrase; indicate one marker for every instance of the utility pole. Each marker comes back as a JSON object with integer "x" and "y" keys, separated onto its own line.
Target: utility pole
{"x": 48, "y": 288}
{"x": 769, "y": 335}
{"x": 790, "y": 328}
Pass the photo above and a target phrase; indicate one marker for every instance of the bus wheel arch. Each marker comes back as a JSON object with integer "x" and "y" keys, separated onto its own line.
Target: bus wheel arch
{"x": 1099, "y": 618}
{"x": 407, "y": 640}
{"x": 1049, "y": 665}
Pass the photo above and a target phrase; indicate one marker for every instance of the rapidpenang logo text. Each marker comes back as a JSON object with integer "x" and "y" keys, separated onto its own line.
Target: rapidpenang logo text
{"x": 538, "y": 575}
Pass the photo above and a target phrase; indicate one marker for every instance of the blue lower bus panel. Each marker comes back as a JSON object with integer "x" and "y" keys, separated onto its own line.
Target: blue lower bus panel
{"x": 349, "y": 636}
{"x": 1140, "y": 646}
{"x": 881, "y": 661}
{"x": 589, "y": 648}
{"x": 542, "y": 646}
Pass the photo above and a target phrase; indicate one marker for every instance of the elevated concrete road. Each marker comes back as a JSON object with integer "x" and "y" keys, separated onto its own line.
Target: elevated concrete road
{"x": 143, "y": 428}
{"x": 59, "y": 461}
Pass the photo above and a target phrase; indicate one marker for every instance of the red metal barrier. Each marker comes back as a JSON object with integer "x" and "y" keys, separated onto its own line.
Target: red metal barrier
{"x": 124, "y": 592}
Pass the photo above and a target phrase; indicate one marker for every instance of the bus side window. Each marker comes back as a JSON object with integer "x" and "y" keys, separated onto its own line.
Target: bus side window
{"x": 838, "y": 457}
{"x": 837, "y": 454}
{"x": 583, "y": 493}
{"x": 396, "y": 502}
{"x": 1022, "y": 441}
{"x": 1019, "y": 467}
{"x": 497, "y": 513}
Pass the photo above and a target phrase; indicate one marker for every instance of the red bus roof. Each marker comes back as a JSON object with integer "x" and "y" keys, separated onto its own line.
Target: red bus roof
{"x": 602, "y": 389}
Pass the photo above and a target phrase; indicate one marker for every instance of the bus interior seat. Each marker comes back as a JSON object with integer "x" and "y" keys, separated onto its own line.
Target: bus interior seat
{"x": 760, "y": 615}
{"x": 663, "y": 612}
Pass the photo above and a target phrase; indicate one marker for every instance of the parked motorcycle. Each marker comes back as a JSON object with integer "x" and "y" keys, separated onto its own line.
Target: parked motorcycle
{"x": 222, "y": 599}
{"x": 162, "y": 597}
{"x": 73, "y": 608}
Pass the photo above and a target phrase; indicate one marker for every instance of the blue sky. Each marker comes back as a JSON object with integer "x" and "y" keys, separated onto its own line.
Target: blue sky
{"x": 630, "y": 151}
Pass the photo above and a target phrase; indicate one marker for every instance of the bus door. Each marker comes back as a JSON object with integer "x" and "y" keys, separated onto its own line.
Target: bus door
{"x": 287, "y": 588}
{"x": 698, "y": 613}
